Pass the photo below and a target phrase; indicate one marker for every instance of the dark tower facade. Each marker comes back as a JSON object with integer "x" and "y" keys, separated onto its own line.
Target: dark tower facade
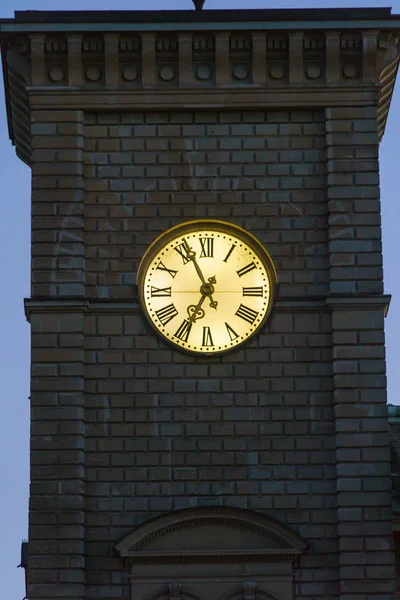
{"x": 262, "y": 473}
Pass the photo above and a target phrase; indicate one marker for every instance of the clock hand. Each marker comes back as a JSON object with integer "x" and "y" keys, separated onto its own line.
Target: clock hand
{"x": 207, "y": 288}
{"x": 191, "y": 254}
{"x": 213, "y": 302}
{"x": 196, "y": 312}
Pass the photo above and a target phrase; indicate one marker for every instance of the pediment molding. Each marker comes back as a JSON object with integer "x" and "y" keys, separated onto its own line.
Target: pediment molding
{"x": 211, "y": 534}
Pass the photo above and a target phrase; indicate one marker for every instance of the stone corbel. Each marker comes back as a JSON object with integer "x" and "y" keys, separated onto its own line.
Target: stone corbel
{"x": 296, "y": 71}
{"x": 19, "y": 77}
{"x": 370, "y": 41}
{"x": 38, "y": 73}
{"x": 388, "y": 64}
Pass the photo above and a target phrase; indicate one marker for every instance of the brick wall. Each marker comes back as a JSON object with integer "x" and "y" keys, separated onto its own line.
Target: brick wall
{"x": 123, "y": 427}
{"x": 265, "y": 171}
{"x": 253, "y": 429}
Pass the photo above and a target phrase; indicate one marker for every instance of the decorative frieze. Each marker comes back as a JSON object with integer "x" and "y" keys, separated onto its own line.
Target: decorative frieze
{"x": 93, "y": 60}
{"x": 203, "y": 57}
{"x": 167, "y": 62}
{"x": 351, "y": 56}
{"x": 314, "y": 57}
{"x": 130, "y": 60}
{"x": 278, "y": 58}
{"x": 56, "y": 59}
{"x": 286, "y": 62}
{"x": 240, "y": 47}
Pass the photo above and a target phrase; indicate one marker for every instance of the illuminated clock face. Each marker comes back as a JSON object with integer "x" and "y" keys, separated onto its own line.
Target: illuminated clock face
{"x": 206, "y": 286}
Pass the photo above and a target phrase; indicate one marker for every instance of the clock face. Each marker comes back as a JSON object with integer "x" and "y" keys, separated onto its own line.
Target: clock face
{"x": 206, "y": 286}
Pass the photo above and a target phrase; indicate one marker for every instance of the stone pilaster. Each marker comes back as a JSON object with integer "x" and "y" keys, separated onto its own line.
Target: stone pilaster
{"x": 356, "y": 286}
{"x": 57, "y": 205}
{"x": 56, "y": 508}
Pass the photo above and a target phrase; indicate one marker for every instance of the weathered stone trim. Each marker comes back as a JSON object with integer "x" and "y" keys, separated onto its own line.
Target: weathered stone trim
{"x": 32, "y": 306}
{"x": 96, "y": 75}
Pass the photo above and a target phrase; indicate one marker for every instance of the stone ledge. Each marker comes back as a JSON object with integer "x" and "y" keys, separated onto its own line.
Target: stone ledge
{"x": 281, "y": 305}
{"x": 380, "y": 302}
{"x": 231, "y": 66}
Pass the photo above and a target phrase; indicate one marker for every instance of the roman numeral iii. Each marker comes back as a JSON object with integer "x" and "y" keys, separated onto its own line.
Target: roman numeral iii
{"x": 166, "y": 314}
{"x": 246, "y": 313}
{"x": 246, "y": 269}
{"x": 253, "y": 291}
{"x": 160, "y": 292}
{"x": 207, "y": 247}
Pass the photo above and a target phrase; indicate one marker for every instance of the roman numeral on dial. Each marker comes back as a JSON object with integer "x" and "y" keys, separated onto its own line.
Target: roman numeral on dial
{"x": 207, "y": 338}
{"x": 182, "y": 251}
{"x": 246, "y": 269}
{"x": 207, "y": 247}
{"x": 166, "y": 314}
{"x": 231, "y": 332}
{"x": 183, "y": 331}
{"x": 162, "y": 267}
{"x": 252, "y": 291}
{"x": 246, "y": 313}
{"x": 160, "y": 292}
{"x": 230, "y": 252}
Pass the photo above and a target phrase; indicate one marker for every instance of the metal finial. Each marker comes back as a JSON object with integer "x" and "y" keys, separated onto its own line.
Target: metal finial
{"x": 198, "y": 4}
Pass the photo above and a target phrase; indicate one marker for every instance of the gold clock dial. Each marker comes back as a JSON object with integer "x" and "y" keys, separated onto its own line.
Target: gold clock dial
{"x": 206, "y": 286}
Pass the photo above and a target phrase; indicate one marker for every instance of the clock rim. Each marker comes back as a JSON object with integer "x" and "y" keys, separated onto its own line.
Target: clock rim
{"x": 189, "y": 227}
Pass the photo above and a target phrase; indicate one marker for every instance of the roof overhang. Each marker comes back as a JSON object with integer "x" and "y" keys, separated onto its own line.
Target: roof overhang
{"x": 26, "y": 81}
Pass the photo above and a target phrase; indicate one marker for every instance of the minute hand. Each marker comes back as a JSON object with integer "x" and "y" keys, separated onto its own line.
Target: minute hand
{"x": 192, "y": 256}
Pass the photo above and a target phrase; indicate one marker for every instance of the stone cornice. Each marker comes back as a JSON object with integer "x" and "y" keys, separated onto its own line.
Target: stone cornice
{"x": 33, "y": 306}
{"x": 223, "y": 67}
{"x": 379, "y": 302}
{"x": 353, "y": 18}
{"x": 245, "y": 97}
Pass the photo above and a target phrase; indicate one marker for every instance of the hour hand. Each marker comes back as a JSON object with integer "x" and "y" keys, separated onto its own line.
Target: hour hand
{"x": 195, "y": 312}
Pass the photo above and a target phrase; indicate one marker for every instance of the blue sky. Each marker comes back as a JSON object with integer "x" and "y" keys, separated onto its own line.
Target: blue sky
{"x": 14, "y": 273}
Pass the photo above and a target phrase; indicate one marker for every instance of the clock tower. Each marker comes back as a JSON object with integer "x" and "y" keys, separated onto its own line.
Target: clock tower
{"x": 200, "y": 431}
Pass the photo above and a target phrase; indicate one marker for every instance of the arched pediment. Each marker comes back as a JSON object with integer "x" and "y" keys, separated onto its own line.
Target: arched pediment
{"x": 211, "y": 533}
